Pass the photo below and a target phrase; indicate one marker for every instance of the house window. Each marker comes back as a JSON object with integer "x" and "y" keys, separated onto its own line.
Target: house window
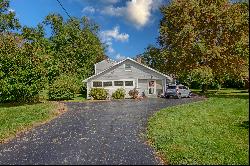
{"x": 118, "y": 83}
{"x": 127, "y": 67}
{"x": 128, "y": 83}
{"x": 97, "y": 84}
{"x": 108, "y": 83}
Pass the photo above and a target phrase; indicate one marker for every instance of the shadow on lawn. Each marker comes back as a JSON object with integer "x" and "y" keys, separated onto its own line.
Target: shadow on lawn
{"x": 243, "y": 91}
{"x": 245, "y": 124}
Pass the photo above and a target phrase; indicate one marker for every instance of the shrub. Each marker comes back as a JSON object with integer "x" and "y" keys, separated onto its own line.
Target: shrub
{"x": 234, "y": 83}
{"x": 21, "y": 71}
{"x": 133, "y": 93}
{"x": 83, "y": 89}
{"x": 63, "y": 88}
{"x": 98, "y": 93}
{"x": 119, "y": 94}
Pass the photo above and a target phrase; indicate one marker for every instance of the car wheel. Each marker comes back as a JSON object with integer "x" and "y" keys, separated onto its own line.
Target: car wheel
{"x": 189, "y": 95}
{"x": 167, "y": 97}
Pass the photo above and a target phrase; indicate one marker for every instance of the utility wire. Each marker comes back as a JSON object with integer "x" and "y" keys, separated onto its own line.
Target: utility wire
{"x": 64, "y": 9}
{"x": 67, "y": 12}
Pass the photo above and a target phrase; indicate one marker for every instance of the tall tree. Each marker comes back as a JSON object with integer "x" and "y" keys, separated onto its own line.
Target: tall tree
{"x": 21, "y": 74}
{"x": 198, "y": 33}
{"x": 7, "y": 17}
{"x": 155, "y": 58}
{"x": 75, "y": 44}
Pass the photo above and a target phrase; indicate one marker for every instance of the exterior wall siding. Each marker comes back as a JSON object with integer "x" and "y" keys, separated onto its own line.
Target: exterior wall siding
{"x": 139, "y": 74}
{"x": 137, "y": 71}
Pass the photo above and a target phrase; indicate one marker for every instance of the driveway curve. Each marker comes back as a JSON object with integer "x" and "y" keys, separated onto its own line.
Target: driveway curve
{"x": 107, "y": 132}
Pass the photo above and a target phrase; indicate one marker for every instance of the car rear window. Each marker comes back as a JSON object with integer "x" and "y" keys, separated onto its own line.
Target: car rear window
{"x": 172, "y": 87}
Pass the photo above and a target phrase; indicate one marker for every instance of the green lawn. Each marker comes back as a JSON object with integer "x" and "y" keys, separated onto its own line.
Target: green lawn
{"x": 78, "y": 98}
{"x": 16, "y": 118}
{"x": 215, "y": 131}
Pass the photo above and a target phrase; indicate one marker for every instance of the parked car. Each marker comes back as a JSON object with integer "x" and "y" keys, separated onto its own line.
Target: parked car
{"x": 177, "y": 91}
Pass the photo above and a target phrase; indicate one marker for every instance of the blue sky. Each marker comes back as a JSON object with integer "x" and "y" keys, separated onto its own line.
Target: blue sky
{"x": 127, "y": 26}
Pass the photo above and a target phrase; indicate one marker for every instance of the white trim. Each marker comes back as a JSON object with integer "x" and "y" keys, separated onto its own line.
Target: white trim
{"x": 95, "y": 68}
{"x": 113, "y": 84}
{"x": 125, "y": 67}
{"x": 122, "y": 62}
{"x": 137, "y": 83}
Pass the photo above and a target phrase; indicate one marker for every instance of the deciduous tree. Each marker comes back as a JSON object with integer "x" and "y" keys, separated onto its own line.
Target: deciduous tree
{"x": 8, "y": 21}
{"x": 204, "y": 33}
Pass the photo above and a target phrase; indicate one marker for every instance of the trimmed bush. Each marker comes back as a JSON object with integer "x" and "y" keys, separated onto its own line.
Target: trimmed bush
{"x": 119, "y": 94}
{"x": 63, "y": 88}
{"x": 133, "y": 93}
{"x": 98, "y": 93}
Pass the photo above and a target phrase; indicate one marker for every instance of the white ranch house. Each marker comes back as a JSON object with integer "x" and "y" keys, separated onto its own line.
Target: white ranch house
{"x": 127, "y": 74}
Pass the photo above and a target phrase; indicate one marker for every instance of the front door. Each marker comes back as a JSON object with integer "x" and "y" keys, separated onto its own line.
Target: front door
{"x": 151, "y": 87}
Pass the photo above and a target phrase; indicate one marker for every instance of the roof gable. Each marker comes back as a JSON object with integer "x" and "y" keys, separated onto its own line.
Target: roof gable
{"x": 118, "y": 64}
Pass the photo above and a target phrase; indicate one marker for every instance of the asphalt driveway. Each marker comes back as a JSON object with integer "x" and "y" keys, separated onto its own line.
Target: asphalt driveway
{"x": 107, "y": 132}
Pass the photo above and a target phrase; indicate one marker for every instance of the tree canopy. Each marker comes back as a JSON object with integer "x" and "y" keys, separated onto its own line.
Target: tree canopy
{"x": 30, "y": 61}
{"x": 8, "y": 21}
{"x": 75, "y": 44}
{"x": 203, "y": 33}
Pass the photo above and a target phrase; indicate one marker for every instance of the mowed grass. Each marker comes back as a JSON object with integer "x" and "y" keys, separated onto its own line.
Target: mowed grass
{"x": 16, "y": 118}
{"x": 78, "y": 97}
{"x": 214, "y": 131}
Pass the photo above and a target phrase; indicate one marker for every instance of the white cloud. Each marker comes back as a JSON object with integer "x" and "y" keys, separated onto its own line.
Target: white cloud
{"x": 136, "y": 11}
{"x": 112, "y": 11}
{"x": 110, "y": 48}
{"x": 11, "y": 10}
{"x": 119, "y": 57}
{"x": 89, "y": 9}
{"x": 109, "y": 35}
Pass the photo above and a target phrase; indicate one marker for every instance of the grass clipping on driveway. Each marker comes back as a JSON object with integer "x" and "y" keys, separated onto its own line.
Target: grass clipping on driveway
{"x": 215, "y": 131}
{"x": 18, "y": 118}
